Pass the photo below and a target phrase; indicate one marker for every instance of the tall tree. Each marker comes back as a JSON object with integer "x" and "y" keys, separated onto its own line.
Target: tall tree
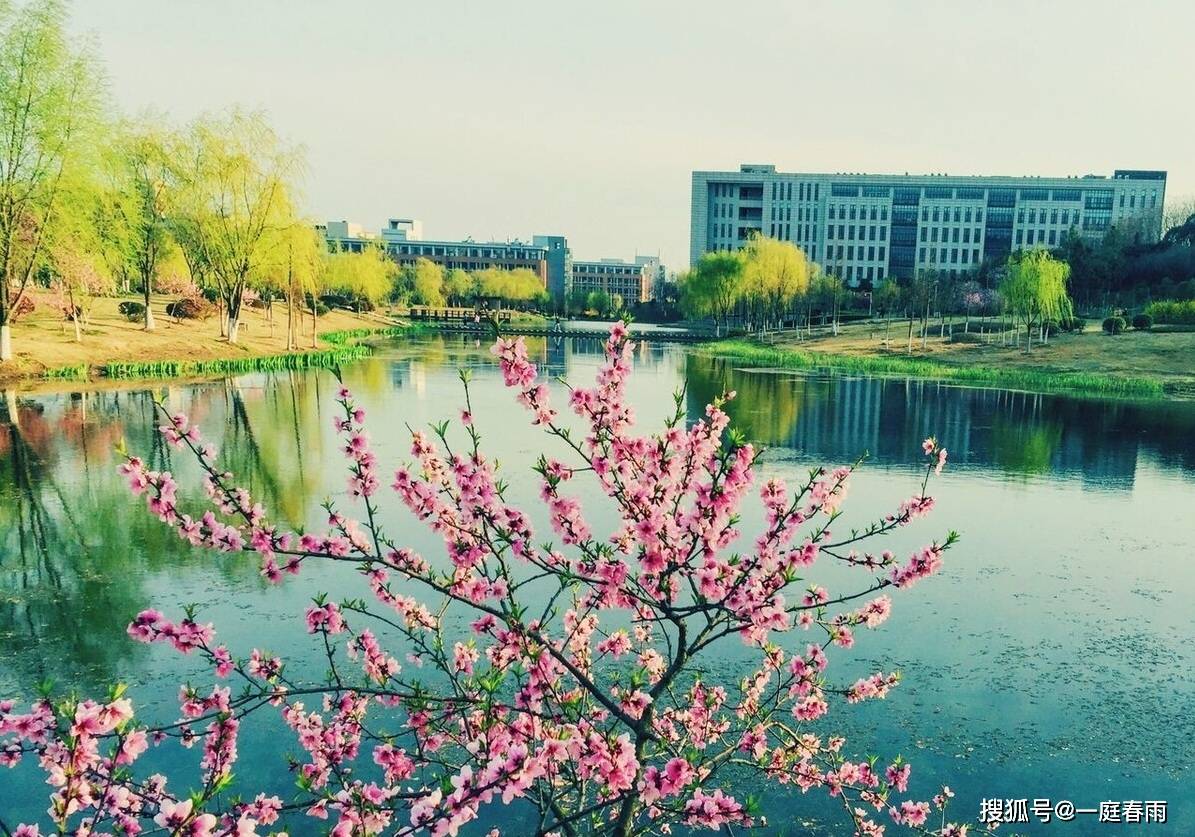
{"x": 713, "y": 286}
{"x": 1034, "y": 290}
{"x": 775, "y": 272}
{"x": 49, "y": 105}
{"x": 234, "y": 202}
{"x": 144, "y": 170}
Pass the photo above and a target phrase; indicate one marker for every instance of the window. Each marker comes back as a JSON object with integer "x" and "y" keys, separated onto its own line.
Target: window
{"x": 966, "y": 235}
{"x": 852, "y": 231}
{"x": 967, "y": 215}
{"x": 937, "y": 214}
{"x": 883, "y": 233}
{"x": 1053, "y": 216}
{"x": 922, "y": 258}
{"x": 871, "y": 253}
{"x": 1032, "y": 216}
{"x": 1020, "y": 216}
{"x": 924, "y": 233}
{"x": 933, "y": 234}
{"x": 883, "y": 213}
{"x": 954, "y": 236}
{"x": 966, "y": 253}
{"x": 957, "y": 215}
{"x": 954, "y": 256}
{"x": 1053, "y": 237}
{"x": 881, "y": 254}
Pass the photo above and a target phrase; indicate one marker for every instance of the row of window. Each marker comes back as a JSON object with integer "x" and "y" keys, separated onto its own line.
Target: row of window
{"x": 1055, "y": 216}
{"x": 850, "y": 253}
{"x": 453, "y": 251}
{"x": 846, "y": 231}
{"x": 960, "y": 214}
{"x": 951, "y": 234}
{"x": 1032, "y": 237}
{"x": 852, "y": 211}
{"x": 952, "y": 255}
{"x": 1153, "y": 201}
{"x": 805, "y": 191}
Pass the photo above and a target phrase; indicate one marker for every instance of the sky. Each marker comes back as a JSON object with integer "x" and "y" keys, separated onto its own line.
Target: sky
{"x": 500, "y": 120}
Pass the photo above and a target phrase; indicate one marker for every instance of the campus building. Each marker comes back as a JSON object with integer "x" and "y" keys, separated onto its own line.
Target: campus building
{"x": 633, "y": 281}
{"x": 866, "y": 228}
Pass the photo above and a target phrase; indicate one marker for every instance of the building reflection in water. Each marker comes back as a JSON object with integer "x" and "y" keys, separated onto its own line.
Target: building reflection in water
{"x": 836, "y": 418}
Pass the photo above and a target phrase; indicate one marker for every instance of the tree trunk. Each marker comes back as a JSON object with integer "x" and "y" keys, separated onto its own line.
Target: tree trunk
{"x": 234, "y": 320}
{"x": 149, "y": 312}
{"x": 5, "y": 342}
{"x": 910, "y": 349}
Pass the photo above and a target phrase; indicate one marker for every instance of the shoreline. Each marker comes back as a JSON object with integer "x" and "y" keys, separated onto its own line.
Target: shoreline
{"x": 1043, "y": 379}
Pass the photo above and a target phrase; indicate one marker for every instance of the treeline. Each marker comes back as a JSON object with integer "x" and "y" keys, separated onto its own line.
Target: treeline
{"x": 94, "y": 203}
{"x": 427, "y": 283}
{"x": 770, "y": 284}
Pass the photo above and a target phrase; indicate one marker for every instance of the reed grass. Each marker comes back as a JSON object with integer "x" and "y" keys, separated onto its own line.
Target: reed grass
{"x": 68, "y": 372}
{"x": 1038, "y": 380}
{"x": 226, "y": 366}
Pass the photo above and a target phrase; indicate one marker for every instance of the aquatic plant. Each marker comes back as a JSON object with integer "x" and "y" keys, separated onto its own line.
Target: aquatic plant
{"x": 585, "y": 687}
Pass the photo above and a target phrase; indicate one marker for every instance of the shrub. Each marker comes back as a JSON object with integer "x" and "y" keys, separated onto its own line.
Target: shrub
{"x": 1076, "y": 324}
{"x": 1114, "y": 325}
{"x": 132, "y": 311}
{"x": 1051, "y": 327}
{"x": 210, "y": 294}
{"x": 190, "y": 308}
{"x": 1143, "y": 322}
{"x": 1172, "y": 312}
{"x": 25, "y": 306}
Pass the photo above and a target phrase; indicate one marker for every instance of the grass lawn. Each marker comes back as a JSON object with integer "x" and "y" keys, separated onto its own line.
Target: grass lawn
{"x": 45, "y": 346}
{"x": 1133, "y": 363}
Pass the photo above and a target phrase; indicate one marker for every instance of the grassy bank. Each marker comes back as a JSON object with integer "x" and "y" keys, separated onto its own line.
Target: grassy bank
{"x": 113, "y": 347}
{"x": 1044, "y": 379}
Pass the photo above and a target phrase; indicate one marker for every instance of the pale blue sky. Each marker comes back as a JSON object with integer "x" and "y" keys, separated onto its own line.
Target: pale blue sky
{"x": 504, "y": 119}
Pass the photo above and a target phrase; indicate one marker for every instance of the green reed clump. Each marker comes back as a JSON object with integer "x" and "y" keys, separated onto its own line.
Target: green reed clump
{"x": 266, "y": 363}
{"x": 71, "y": 371}
{"x": 1042, "y": 380}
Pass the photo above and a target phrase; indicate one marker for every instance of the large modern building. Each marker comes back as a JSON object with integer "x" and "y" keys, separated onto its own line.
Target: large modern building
{"x": 866, "y": 228}
{"x": 633, "y": 281}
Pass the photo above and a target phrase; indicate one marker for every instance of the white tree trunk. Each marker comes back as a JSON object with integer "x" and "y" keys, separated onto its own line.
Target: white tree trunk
{"x": 5, "y": 342}
{"x": 149, "y": 318}
{"x": 234, "y": 327}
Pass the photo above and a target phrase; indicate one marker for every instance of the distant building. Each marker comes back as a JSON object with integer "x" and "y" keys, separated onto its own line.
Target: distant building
{"x": 473, "y": 256}
{"x": 866, "y": 228}
{"x": 633, "y": 281}
{"x": 402, "y": 229}
{"x": 547, "y": 257}
{"x": 347, "y": 236}
{"x": 560, "y": 263}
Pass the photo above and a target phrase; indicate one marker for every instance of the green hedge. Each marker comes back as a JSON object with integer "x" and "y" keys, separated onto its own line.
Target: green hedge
{"x": 1172, "y": 312}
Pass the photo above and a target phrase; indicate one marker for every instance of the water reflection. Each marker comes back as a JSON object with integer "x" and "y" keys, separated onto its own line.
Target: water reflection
{"x": 1063, "y": 655}
{"x": 1098, "y": 441}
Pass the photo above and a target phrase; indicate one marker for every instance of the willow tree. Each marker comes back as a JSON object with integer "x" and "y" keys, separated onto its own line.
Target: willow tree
{"x": 49, "y": 107}
{"x": 713, "y": 286}
{"x": 1034, "y": 290}
{"x": 776, "y": 273}
{"x": 296, "y": 271}
{"x": 233, "y": 204}
{"x": 144, "y": 176}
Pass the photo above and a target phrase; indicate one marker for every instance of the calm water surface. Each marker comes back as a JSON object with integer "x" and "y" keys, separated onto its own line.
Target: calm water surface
{"x": 1051, "y": 658}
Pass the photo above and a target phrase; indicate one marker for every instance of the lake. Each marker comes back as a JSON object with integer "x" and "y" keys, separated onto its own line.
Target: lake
{"x": 1052, "y": 656}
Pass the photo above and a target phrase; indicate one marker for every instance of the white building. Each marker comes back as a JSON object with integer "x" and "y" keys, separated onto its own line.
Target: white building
{"x": 866, "y": 228}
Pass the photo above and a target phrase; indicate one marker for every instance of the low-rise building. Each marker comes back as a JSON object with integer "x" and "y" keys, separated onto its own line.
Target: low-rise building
{"x": 633, "y": 281}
